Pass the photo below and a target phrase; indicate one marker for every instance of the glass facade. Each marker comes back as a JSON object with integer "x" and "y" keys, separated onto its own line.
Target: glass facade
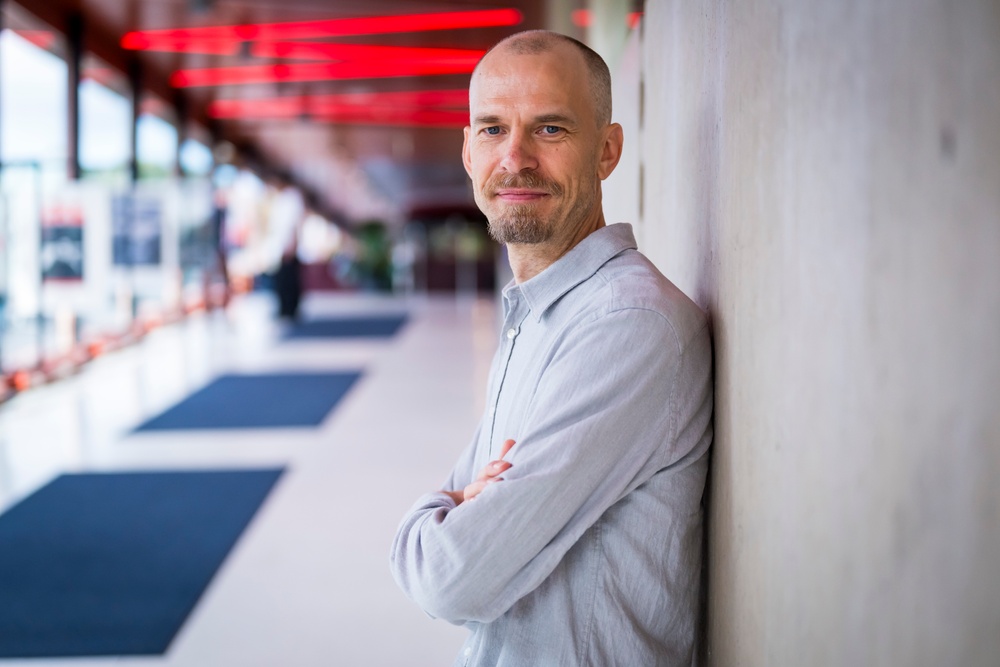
{"x": 157, "y": 139}
{"x": 91, "y": 251}
{"x": 33, "y": 149}
{"x": 105, "y": 122}
{"x": 82, "y": 260}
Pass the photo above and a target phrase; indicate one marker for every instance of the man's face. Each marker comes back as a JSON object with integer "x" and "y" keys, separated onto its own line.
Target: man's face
{"x": 533, "y": 147}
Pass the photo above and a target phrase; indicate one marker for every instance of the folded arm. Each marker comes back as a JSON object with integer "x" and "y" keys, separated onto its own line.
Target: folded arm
{"x": 600, "y": 425}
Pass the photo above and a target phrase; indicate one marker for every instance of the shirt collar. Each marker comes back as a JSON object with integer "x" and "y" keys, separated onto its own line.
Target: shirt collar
{"x": 576, "y": 266}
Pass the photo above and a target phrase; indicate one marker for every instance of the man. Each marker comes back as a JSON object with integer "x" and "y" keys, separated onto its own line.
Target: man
{"x": 281, "y": 247}
{"x": 569, "y": 532}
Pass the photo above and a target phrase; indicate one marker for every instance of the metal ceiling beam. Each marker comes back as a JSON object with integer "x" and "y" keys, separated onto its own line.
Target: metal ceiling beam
{"x": 74, "y": 56}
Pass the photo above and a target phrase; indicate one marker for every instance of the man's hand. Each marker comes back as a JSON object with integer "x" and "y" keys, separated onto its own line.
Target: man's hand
{"x": 488, "y": 475}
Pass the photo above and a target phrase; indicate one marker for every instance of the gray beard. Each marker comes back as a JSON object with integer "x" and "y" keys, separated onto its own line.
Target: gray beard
{"x": 519, "y": 226}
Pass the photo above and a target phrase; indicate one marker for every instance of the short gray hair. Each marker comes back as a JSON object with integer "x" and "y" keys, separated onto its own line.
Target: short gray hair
{"x": 531, "y": 42}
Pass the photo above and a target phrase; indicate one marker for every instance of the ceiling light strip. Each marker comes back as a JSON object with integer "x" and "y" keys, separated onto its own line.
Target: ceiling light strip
{"x": 302, "y": 50}
{"x": 373, "y": 25}
{"x": 353, "y": 115}
{"x": 282, "y": 107}
{"x": 381, "y": 69}
{"x": 399, "y": 117}
{"x": 329, "y": 51}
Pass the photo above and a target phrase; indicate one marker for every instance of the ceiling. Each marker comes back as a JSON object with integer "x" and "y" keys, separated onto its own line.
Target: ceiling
{"x": 371, "y": 132}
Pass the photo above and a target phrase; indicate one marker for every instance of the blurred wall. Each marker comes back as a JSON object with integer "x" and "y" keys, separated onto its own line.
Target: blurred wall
{"x": 622, "y": 191}
{"x": 824, "y": 177}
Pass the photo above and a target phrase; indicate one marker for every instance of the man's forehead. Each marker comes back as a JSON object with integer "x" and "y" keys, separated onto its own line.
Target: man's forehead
{"x": 541, "y": 79}
{"x": 504, "y": 59}
{"x": 540, "y": 106}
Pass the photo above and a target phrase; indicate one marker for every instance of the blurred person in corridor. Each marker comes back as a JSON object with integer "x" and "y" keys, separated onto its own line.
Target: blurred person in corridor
{"x": 287, "y": 211}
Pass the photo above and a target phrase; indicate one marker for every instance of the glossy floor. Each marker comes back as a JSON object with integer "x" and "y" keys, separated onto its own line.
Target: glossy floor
{"x": 308, "y": 583}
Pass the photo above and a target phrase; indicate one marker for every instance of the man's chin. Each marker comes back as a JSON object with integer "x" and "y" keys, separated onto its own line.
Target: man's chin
{"x": 520, "y": 231}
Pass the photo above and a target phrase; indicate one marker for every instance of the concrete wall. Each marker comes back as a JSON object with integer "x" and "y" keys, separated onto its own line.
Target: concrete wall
{"x": 824, "y": 177}
{"x": 622, "y": 190}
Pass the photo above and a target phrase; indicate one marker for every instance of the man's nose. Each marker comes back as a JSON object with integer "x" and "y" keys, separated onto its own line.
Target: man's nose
{"x": 519, "y": 153}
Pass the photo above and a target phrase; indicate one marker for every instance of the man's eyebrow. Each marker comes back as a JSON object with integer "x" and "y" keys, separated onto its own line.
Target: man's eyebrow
{"x": 486, "y": 120}
{"x": 554, "y": 119}
{"x": 544, "y": 119}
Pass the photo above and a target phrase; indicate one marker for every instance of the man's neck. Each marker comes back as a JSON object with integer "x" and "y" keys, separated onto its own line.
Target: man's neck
{"x": 527, "y": 260}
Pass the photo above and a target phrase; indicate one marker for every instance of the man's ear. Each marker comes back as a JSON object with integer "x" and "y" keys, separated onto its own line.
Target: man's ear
{"x": 611, "y": 150}
{"x": 466, "y": 155}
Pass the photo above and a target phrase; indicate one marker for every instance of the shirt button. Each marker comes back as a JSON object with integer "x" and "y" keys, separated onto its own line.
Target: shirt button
{"x": 511, "y": 333}
{"x": 468, "y": 651}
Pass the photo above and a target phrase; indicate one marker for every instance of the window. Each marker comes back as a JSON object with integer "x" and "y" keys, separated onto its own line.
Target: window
{"x": 105, "y": 122}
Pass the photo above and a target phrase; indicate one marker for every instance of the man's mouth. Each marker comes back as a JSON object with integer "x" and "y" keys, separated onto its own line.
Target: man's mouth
{"x": 519, "y": 195}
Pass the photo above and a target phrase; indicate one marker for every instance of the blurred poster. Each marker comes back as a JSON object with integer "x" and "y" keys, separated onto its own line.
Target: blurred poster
{"x": 137, "y": 227}
{"x": 62, "y": 243}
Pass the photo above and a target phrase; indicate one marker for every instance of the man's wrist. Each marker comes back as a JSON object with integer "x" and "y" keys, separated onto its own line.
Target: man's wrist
{"x": 457, "y": 496}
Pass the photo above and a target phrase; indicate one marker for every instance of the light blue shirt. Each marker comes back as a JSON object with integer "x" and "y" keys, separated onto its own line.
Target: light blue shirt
{"x": 589, "y": 550}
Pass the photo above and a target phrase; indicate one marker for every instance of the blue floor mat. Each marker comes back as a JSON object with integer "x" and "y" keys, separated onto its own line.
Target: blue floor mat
{"x": 374, "y": 326}
{"x": 272, "y": 400}
{"x": 112, "y": 563}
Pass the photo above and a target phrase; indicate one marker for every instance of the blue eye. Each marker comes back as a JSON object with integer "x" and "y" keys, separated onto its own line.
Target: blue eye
{"x": 551, "y": 129}
{"x": 493, "y": 130}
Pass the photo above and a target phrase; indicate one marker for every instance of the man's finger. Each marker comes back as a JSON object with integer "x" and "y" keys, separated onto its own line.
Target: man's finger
{"x": 507, "y": 444}
{"x": 472, "y": 490}
{"x": 492, "y": 469}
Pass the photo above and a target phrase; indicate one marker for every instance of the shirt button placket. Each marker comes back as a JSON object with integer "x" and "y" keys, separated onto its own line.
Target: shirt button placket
{"x": 511, "y": 319}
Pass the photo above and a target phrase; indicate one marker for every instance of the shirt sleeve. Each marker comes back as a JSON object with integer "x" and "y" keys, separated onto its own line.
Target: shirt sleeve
{"x": 601, "y": 423}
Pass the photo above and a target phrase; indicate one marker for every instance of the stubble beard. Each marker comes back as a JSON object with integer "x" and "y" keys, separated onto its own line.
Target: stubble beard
{"x": 518, "y": 223}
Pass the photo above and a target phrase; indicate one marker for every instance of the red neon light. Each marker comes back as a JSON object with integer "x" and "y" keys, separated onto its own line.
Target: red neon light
{"x": 426, "y": 98}
{"x": 294, "y": 50}
{"x": 330, "y": 51}
{"x": 343, "y": 114}
{"x": 319, "y": 105}
{"x": 582, "y": 18}
{"x": 288, "y": 107}
{"x": 215, "y": 47}
{"x": 374, "y": 25}
{"x": 379, "y": 69}
{"x": 403, "y": 117}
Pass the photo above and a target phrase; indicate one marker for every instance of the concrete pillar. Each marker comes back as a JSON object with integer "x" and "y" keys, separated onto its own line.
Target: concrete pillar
{"x": 3, "y": 4}
{"x": 825, "y": 179}
{"x": 559, "y": 17}
{"x": 74, "y": 58}
{"x": 181, "y": 123}
{"x": 608, "y": 28}
{"x": 134, "y": 74}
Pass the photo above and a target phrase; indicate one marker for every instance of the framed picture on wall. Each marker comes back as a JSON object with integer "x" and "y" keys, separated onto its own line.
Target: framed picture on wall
{"x": 62, "y": 243}
{"x": 137, "y": 230}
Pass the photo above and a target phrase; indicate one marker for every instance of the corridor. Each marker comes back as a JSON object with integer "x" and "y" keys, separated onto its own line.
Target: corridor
{"x": 307, "y": 583}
